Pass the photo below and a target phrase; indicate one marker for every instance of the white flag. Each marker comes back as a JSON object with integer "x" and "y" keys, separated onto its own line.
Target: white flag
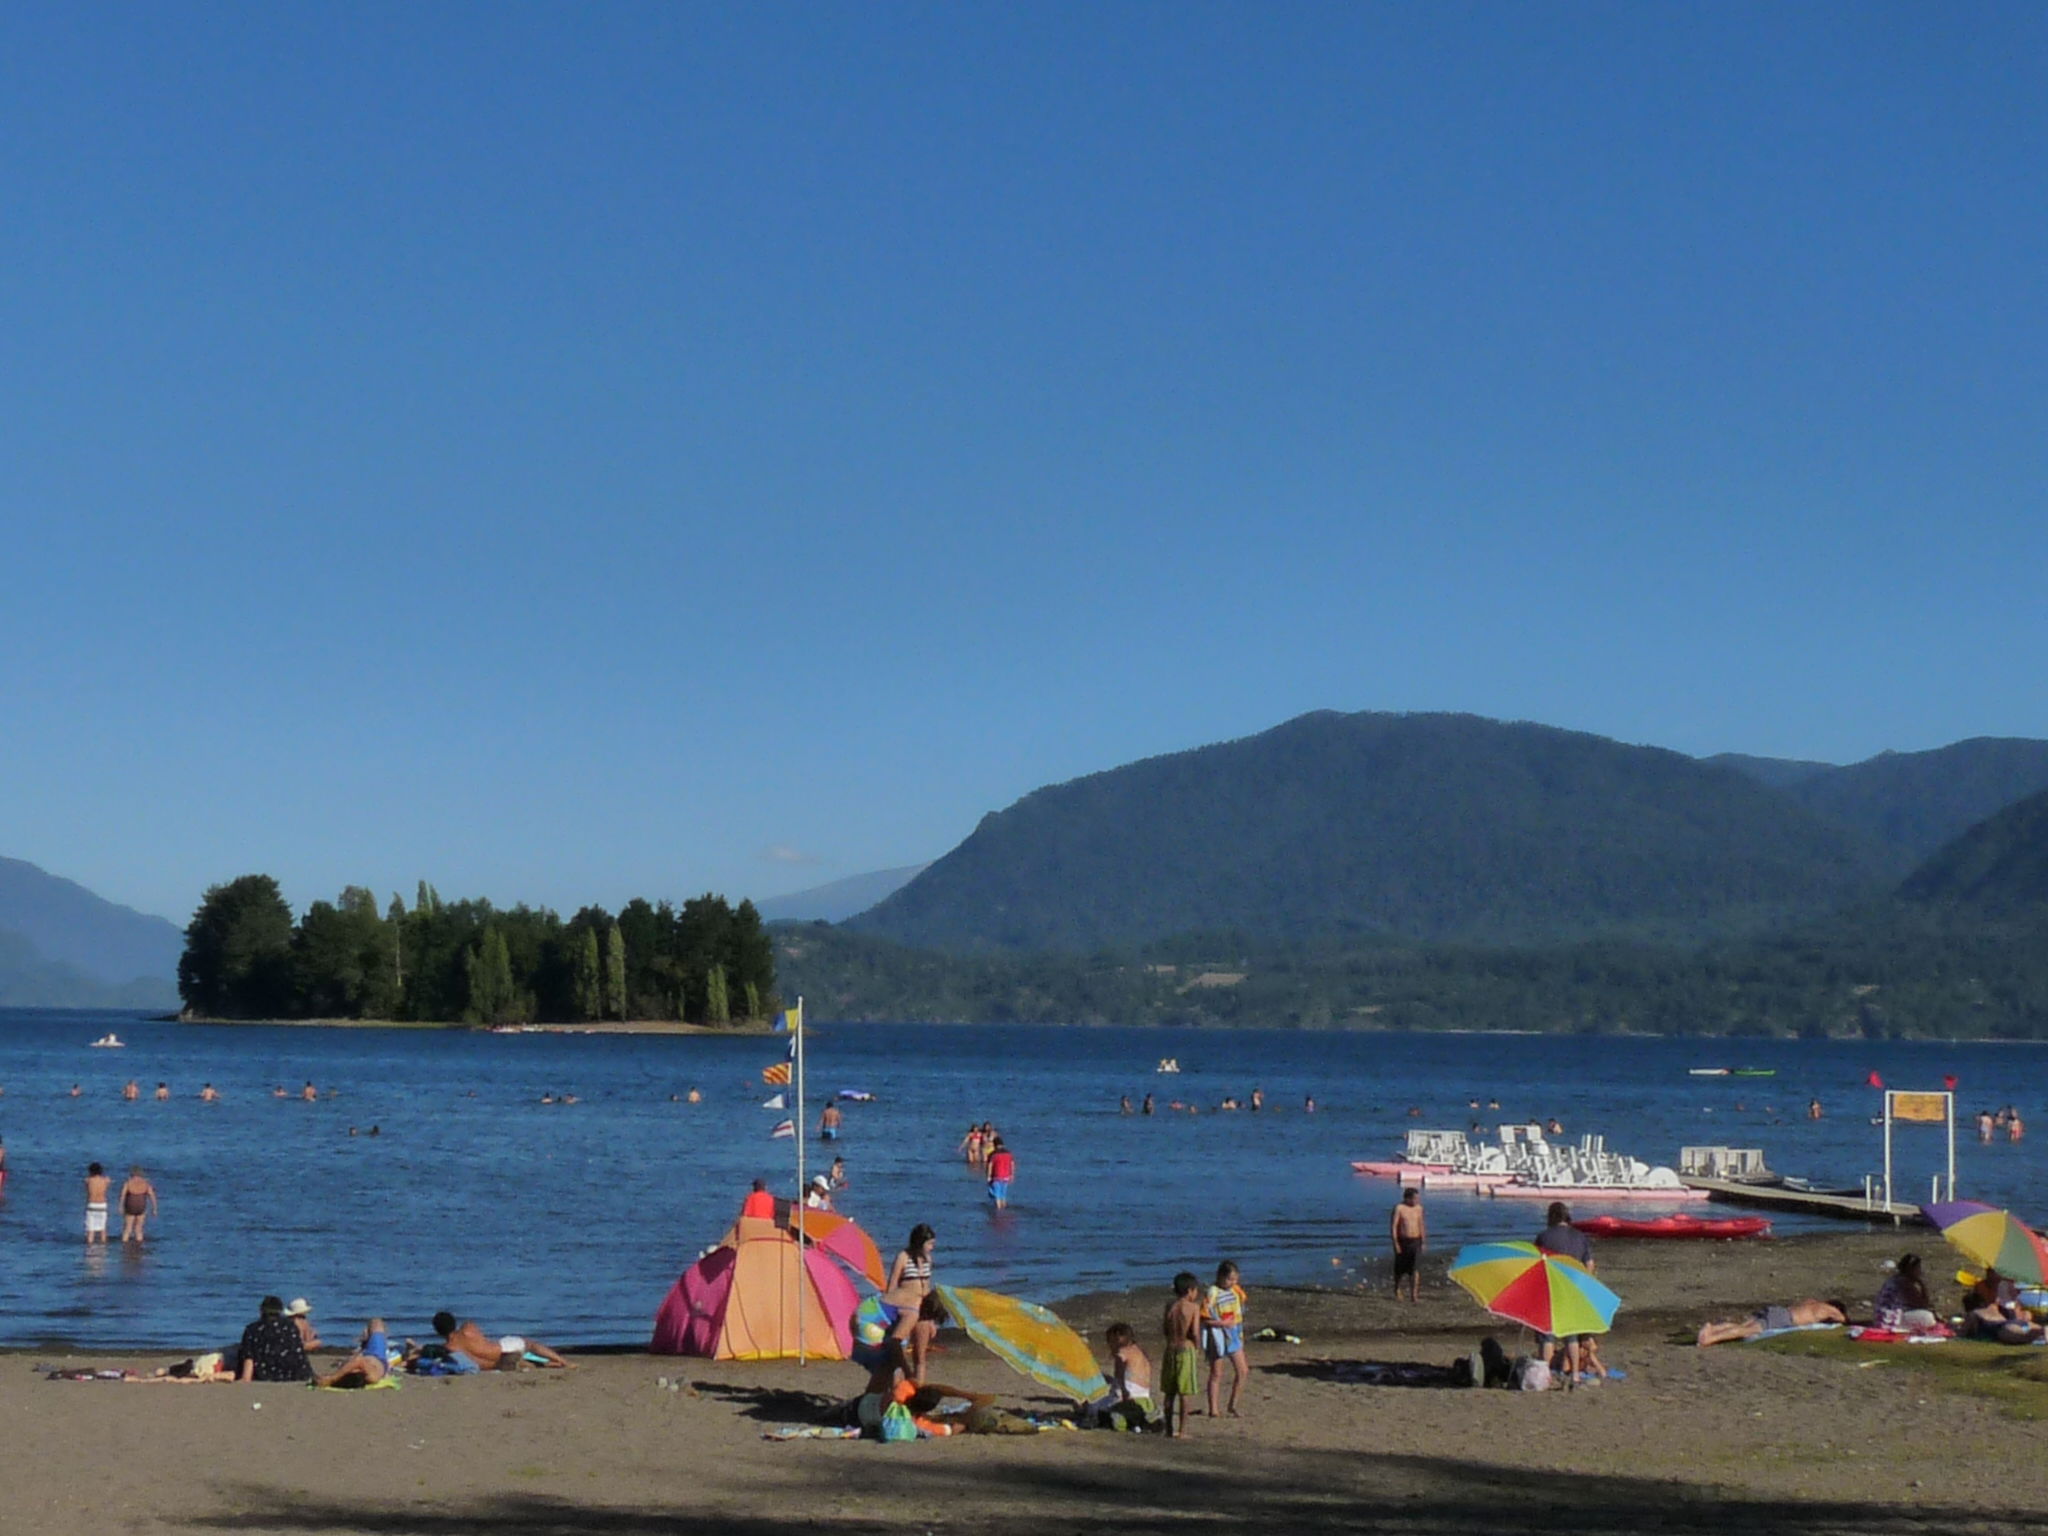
{"x": 784, "y": 1130}
{"x": 774, "y": 1103}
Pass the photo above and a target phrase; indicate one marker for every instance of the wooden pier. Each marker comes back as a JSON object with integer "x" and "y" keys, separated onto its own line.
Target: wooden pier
{"x": 1771, "y": 1197}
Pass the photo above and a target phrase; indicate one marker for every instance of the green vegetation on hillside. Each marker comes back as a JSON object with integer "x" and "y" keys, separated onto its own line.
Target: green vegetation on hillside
{"x": 1915, "y": 802}
{"x": 1887, "y": 972}
{"x": 1998, "y": 868}
{"x": 1347, "y": 827}
{"x": 245, "y": 958}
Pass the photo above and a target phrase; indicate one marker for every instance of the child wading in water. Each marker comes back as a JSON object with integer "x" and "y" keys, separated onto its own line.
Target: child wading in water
{"x": 1182, "y": 1378}
{"x": 1223, "y": 1335}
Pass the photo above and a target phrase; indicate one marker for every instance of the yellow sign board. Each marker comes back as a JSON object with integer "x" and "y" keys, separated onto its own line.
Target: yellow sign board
{"x": 1927, "y": 1108}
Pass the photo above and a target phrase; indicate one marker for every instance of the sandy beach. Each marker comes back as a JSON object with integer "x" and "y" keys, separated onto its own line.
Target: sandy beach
{"x": 1734, "y": 1437}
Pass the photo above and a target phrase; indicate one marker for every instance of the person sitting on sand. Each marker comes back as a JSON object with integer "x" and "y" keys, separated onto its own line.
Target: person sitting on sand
{"x": 1808, "y": 1313}
{"x": 301, "y": 1314}
{"x": 1902, "y": 1304}
{"x": 909, "y": 1343}
{"x": 507, "y": 1353}
{"x": 368, "y": 1365}
{"x": 271, "y": 1349}
{"x": 1991, "y": 1311}
{"x": 1129, "y": 1400}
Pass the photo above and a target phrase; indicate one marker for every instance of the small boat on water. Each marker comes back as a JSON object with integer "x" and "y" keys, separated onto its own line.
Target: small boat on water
{"x": 1731, "y": 1071}
{"x": 1167, "y": 1064}
{"x": 1706, "y": 1071}
{"x": 109, "y": 1042}
{"x": 1675, "y": 1225}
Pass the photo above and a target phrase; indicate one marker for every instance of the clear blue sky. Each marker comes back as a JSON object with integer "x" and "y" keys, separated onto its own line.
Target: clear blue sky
{"x": 570, "y": 452}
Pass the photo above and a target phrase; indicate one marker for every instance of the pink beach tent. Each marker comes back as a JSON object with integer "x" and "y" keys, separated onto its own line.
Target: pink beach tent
{"x": 741, "y": 1301}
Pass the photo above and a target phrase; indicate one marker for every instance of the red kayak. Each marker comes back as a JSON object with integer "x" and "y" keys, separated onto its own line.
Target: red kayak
{"x": 1674, "y": 1226}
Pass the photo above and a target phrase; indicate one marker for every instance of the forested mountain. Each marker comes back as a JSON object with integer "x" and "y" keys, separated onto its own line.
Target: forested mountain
{"x": 1997, "y": 869}
{"x": 838, "y": 900}
{"x": 1771, "y": 772}
{"x": 1882, "y": 972}
{"x": 1914, "y": 802}
{"x": 1433, "y": 826}
{"x": 67, "y": 925}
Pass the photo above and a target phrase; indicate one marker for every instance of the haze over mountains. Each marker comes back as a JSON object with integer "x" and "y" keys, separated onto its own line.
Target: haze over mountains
{"x": 62, "y": 946}
{"x": 1442, "y": 827}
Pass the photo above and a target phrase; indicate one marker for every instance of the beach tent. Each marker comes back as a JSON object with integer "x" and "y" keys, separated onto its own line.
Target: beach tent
{"x": 741, "y": 1300}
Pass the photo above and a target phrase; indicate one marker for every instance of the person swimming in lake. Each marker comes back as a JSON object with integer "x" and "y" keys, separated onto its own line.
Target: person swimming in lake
{"x": 838, "y": 1174}
{"x": 309, "y": 1093}
{"x": 970, "y": 1145}
{"x": 829, "y": 1122}
{"x": 1146, "y": 1107}
{"x": 132, "y": 1091}
{"x": 209, "y": 1094}
{"x": 1123, "y": 1105}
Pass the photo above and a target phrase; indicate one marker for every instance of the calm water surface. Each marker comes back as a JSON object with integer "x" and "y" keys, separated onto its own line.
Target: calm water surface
{"x": 572, "y": 1221}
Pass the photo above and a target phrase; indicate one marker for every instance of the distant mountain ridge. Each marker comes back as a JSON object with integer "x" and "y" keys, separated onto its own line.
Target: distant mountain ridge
{"x": 1423, "y": 826}
{"x": 837, "y": 900}
{"x": 1997, "y": 868}
{"x": 67, "y": 925}
{"x": 1915, "y": 802}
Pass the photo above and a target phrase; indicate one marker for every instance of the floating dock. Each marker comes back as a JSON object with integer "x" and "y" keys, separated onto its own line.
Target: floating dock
{"x": 1771, "y": 1197}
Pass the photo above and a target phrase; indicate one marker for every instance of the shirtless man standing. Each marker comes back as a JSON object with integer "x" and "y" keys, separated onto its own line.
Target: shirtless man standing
{"x": 1409, "y": 1230}
{"x": 96, "y": 1182}
{"x": 500, "y": 1354}
{"x": 138, "y": 1204}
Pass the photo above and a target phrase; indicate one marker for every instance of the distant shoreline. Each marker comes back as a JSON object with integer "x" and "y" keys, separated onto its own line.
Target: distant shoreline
{"x": 604, "y": 1027}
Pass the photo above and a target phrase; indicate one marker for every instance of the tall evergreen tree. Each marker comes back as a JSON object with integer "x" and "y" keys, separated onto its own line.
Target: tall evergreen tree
{"x": 589, "y": 988}
{"x": 615, "y": 972}
{"x": 492, "y": 996}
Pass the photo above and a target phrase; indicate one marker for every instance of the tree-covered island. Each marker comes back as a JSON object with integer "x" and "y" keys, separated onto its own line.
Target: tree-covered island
{"x": 705, "y": 962}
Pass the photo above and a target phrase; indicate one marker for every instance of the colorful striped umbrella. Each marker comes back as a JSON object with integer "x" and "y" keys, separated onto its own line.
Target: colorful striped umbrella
{"x": 1544, "y": 1291}
{"x": 1027, "y": 1338}
{"x": 838, "y": 1236}
{"x": 1985, "y": 1235}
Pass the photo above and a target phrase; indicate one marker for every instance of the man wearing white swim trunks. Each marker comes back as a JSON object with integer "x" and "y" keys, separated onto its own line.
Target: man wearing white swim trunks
{"x": 507, "y": 1353}
{"x": 96, "y": 1182}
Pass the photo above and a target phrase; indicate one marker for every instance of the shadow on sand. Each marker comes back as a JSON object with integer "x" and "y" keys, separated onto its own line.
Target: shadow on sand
{"x": 1149, "y": 1493}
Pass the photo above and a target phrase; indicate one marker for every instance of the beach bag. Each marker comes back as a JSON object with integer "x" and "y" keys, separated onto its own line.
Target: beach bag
{"x": 1532, "y": 1375}
{"x": 897, "y": 1424}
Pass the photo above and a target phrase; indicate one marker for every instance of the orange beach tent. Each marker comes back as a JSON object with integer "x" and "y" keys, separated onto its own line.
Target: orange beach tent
{"x": 741, "y": 1301}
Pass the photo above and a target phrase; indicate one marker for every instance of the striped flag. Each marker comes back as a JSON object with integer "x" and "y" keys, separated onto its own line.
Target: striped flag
{"x": 774, "y": 1103}
{"x": 776, "y": 1075}
{"x": 784, "y": 1130}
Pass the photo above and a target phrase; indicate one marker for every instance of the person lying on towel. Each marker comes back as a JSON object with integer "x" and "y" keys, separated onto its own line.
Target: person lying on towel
{"x": 508, "y": 1352}
{"x": 1809, "y": 1313}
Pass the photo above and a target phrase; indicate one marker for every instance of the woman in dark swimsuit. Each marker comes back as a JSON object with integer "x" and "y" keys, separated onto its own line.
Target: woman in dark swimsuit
{"x": 138, "y": 1204}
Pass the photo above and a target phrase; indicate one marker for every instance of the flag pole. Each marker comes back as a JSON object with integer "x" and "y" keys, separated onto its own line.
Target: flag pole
{"x": 802, "y": 1263}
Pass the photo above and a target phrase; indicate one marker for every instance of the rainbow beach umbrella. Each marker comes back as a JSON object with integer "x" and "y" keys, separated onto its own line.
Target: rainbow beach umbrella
{"x": 1988, "y": 1236}
{"x": 1544, "y": 1291}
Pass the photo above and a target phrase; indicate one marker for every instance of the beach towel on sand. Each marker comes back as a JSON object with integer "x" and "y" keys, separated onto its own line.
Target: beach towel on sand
{"x": 1772, "y": 1333}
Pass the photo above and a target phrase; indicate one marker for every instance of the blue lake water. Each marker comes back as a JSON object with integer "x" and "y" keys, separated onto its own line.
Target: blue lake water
{"x": 571, "y": 1221}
